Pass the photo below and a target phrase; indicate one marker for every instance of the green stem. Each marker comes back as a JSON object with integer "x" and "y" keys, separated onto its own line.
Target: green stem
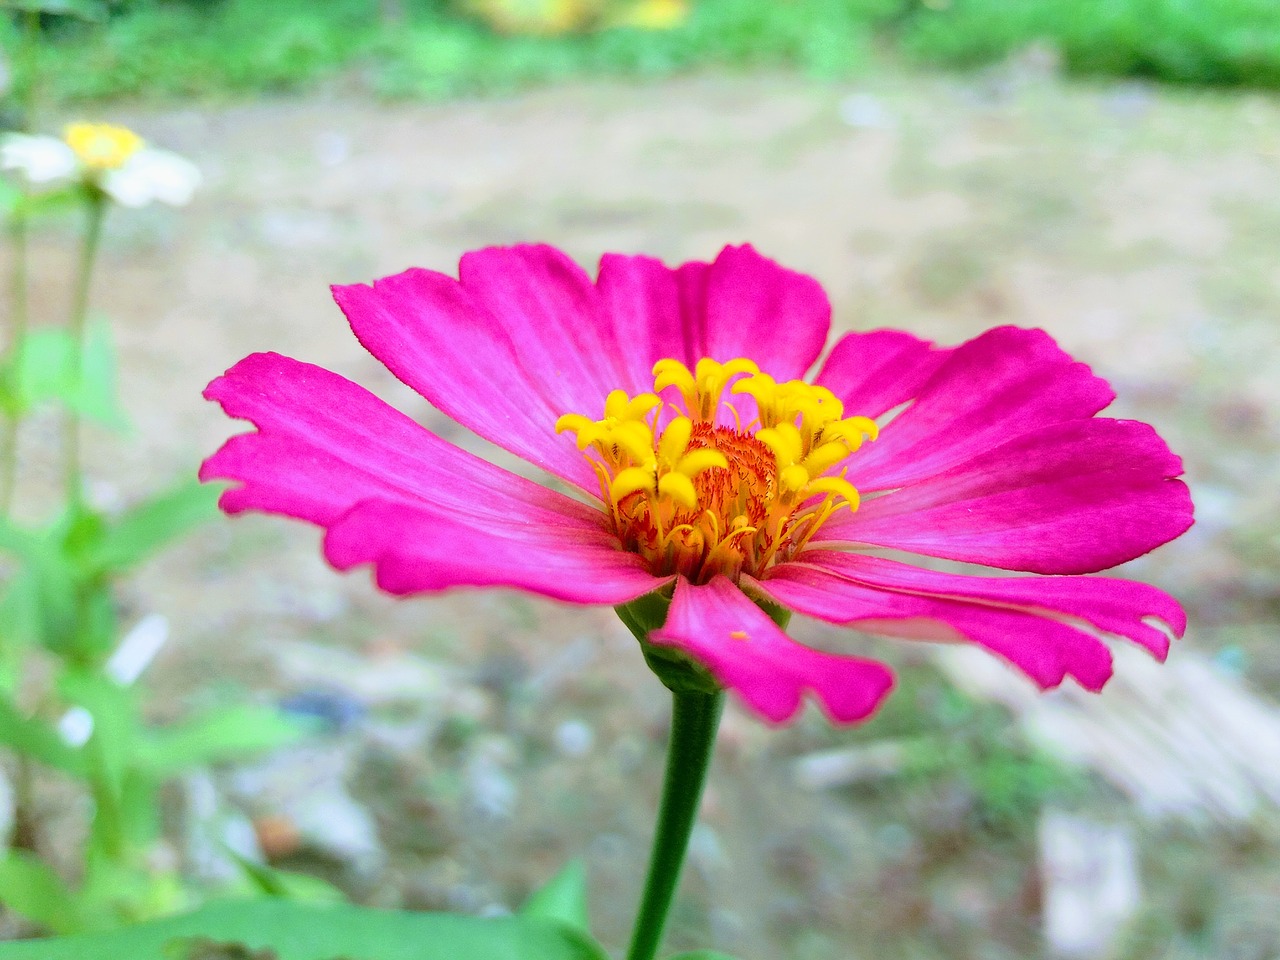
{"x": 29, "y": 59}
{"x": 695, "y": 715}
{"x": 25, "y": 830}
{"x": 25, "y": 826}
{"x": 96, "y": 208}
{"x": 13, "y": 355}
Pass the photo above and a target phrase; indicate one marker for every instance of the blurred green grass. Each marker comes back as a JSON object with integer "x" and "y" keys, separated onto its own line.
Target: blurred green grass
{"x": 167, "y": 49}
{"x": 1227, "y": 42}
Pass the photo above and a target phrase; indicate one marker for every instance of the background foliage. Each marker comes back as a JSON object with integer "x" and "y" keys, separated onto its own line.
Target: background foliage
{"x": 434, "y": 48}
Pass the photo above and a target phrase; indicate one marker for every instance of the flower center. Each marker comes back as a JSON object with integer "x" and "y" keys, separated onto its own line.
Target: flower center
{"x": 102, "y": 146}
{"x": 701, "y": 498}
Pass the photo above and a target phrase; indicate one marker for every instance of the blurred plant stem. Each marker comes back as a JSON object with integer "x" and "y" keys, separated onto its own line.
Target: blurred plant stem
{"x": 29, "y": 61}
{"x": 695, "y": 716}
{"x": 17, "y": 341}
{"x": 96, "y": 210}
{"x": 29, "y": 58}
{"x": 25, "y": 834}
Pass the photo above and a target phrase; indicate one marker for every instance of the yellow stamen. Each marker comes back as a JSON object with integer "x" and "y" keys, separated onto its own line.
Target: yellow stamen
{"x": 102, "y": 146}
{"x": 678, "y": 487}
{"x": 837, "y": 487}
{"x": 632, "y": 480}
{"x": 702, "y": 499}
{"x": 701, "y": 388}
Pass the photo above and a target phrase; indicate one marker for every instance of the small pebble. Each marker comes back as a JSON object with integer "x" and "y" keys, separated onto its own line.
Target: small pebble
{"x": 573, "y": 738}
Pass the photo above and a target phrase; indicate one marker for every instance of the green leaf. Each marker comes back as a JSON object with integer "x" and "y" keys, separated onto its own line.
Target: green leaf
{"x": 20, "y": 620}
{"x": 95, "y": 396}
{"x": 563, "y": 898}
{"x": 17, "y": 203}
{"x": 43, "y": 591}
{"x": 308, "y": 932}
{"x": 46, "y": 370}
{"x": 225, "y": 734}
{"x": 29, "y": 887}
{"x": 286, "y": 884}
{"x": 123, "y": 889}
{"x": 51, "y": 202}
{"x": 10, "y": 401}
{"x": 38, "y": 740}
{"x": 115, "y": 725}
{"x": 149, "y": 526}
{"x": 702, "y": 955}
{"x": 44, "y": 367}
{"x": 10, "y": 198}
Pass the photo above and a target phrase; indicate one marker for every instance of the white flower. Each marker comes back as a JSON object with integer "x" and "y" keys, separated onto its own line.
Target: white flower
{"x": 41, "y": 160}
{"x": 152, "y": 175}
{"x": 112, "y": 159}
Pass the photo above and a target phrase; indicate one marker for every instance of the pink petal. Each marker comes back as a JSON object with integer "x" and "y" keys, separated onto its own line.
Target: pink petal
{"x": 1115, "y": 606}
{"x": 1056, "y": 651}
{"x": 324, "y": 444}
{"x": 641, "y": 298}
{"x": 741, "y": 305}
{"x": 328, "y": 451}
{"x": 505, "y": 351}
{"x": 423, "y": 549}
{"x": 1044, "y": 638}
{"x": 524, "y": 336}
{"x": 874, "y": 372}
{"x": 755, "y": 308}
{"x": 1074, "y": 497}
{"x": 1000, "y": 385}
{"x": 745, "y": 651}
{"x": 556, "y": 321}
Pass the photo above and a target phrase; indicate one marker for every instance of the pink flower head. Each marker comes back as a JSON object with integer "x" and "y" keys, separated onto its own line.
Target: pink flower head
{"x": 700, "y": 462}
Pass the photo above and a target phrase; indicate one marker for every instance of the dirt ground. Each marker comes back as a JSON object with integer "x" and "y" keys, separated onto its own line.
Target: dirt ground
{"x": 1138, "y": 226}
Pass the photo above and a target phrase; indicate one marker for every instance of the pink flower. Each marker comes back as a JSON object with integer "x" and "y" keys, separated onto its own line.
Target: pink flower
{"x": 670, "y": 404}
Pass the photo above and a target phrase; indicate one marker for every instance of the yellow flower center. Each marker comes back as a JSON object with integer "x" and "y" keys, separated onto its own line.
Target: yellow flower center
{"x": 701, "y": 499}
{"x": 101, "y": 146}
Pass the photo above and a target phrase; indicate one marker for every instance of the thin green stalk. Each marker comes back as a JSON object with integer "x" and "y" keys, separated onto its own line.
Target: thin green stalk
{"x": 695, "y": 716}
{"x": 17, "y": 340}
{"x": 96, "y": 208}
{"x": 29, "y": 59}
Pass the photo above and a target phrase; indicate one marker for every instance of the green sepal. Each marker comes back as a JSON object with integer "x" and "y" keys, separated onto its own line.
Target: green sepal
{"x": 679, "y": 672}
{"x": 774, "y": 611}
{"x": 646, "y": 614}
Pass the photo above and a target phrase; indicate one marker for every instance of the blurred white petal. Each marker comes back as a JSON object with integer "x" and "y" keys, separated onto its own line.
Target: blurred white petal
{"x": 152, "y": 175}
{"x": 38, "y": 159}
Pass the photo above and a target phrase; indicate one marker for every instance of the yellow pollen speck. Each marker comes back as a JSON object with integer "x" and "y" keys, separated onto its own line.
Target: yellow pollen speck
{"x": 696, "y": 496}
{"x": 739, "y": 635}
{"x": 102, "y": 146}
